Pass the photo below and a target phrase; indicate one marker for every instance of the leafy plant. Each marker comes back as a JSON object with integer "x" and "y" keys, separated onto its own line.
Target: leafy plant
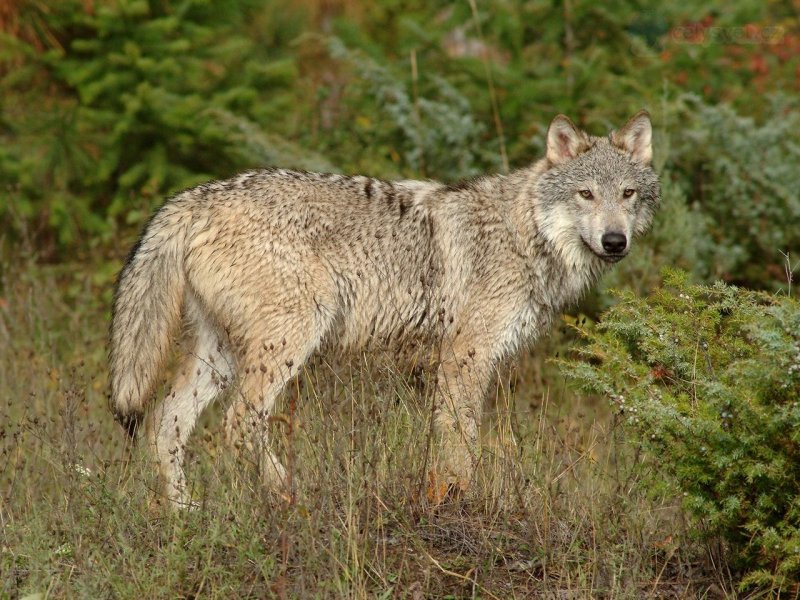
{"x": 438, "y": 133}
{"x": 150, "y": 98}
{"x": 743, "y": 176}
{"x": 707, "y": 380}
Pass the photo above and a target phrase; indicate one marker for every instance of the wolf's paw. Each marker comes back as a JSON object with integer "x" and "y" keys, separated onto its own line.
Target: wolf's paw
{"x": 443, "y": 486}
{"x": 458, "y": 461}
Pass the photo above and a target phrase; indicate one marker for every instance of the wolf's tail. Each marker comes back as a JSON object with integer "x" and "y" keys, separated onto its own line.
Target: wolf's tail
{"x": 147, "y": 308}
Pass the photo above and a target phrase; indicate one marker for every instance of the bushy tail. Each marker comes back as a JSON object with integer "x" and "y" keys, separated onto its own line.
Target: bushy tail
{"x": 147, "y": 309}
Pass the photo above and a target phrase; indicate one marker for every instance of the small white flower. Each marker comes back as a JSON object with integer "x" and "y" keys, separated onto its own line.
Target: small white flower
{"x": 82, "y": 470}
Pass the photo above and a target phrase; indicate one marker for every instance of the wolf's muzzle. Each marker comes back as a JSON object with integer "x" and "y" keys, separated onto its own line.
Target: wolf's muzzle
{"x": 614, "y": 243}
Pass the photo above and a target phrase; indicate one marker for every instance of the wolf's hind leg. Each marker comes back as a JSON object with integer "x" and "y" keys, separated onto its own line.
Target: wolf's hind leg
{"x": 247, "y": 424}
{"x": 268, "y": 363}
{"x": 203, "y": 374}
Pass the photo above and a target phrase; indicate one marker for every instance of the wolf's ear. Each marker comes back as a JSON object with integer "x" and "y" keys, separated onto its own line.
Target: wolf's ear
{"x": 564, "y": 141}
{"x": 635, "y": 137}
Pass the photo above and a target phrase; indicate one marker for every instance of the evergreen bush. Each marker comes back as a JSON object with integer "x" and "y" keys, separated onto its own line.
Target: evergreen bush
{"x": 707, "y": 380}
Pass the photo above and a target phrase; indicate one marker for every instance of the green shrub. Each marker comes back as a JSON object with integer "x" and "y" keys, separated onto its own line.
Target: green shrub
{"x": 436, "y": 132}
{"x": 133, "y": 100}
{"x": 708, "y": 382}
{"x": 107, "y": 107}
{"x": 742, "y": 176}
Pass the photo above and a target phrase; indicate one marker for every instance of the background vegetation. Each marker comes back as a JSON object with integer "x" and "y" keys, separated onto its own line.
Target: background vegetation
{"x": 109, "y": 106}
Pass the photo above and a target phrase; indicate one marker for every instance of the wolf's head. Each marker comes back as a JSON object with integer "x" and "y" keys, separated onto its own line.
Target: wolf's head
{"x": 596, "y": 193}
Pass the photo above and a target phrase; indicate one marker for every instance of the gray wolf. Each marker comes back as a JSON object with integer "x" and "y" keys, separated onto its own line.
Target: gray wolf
{"x": 274, "y": 265}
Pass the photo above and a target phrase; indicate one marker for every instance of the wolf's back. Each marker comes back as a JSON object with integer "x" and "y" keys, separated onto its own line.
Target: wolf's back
{"x": 146, "y": 310}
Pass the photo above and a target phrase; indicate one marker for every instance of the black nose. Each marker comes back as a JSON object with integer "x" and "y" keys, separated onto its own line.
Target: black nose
{"x": 614, "y": 243}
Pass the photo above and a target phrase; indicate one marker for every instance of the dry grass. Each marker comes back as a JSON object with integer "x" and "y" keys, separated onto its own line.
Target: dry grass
{"x": 559, "y": 509}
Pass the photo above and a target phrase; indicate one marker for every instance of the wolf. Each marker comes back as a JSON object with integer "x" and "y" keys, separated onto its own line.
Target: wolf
{"x": 273, "y": 266}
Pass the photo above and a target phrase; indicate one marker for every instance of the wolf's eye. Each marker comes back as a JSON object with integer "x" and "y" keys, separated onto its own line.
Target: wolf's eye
{"x": 628, "y": 192}
{"x": 586, "y": 194}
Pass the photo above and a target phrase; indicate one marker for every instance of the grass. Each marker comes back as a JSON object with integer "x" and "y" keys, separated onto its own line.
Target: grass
{"x": 560, "y": 508}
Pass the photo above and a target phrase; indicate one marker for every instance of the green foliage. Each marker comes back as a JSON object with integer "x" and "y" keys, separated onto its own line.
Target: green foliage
{"x": 154, "y": 97}
{"x": 707, "y": 380}
{"x": 744, "y": 180}
{"x": 439, "y": 135}
{"x": 107, "y": 107}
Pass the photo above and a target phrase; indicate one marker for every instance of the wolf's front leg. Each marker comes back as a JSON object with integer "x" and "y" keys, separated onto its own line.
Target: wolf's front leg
{"x": 461, "y": 385}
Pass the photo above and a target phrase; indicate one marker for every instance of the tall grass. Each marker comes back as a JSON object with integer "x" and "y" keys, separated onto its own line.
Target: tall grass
{"x": 556, "y": 512}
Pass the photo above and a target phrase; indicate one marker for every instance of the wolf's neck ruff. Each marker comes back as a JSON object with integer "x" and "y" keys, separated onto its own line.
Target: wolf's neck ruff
{"x": 272, "y": 266}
